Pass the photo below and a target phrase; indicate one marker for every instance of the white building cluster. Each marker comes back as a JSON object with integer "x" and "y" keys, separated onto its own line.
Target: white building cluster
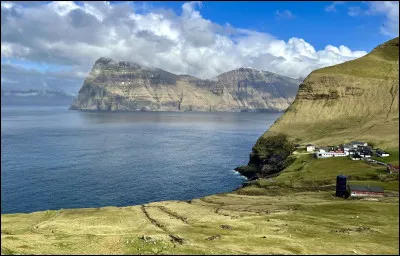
{"x": 356, "y": 150}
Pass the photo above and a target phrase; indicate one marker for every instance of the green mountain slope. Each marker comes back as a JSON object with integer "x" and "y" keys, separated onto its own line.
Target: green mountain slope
{"x": 356, "y": 100}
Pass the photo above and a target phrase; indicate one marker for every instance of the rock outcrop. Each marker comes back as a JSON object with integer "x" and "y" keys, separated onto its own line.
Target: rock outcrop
{"x": 124, "y": 86}
{"x": 354, "y": 101}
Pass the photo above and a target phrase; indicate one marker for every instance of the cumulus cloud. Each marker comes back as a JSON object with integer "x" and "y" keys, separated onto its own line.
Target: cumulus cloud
{"x": 286, "y": 14}
{"x": 332, "y": 7}
{"x": 354, "y": 10}
{"x": 389, "y": 9}
{"x": 69, "y": 35}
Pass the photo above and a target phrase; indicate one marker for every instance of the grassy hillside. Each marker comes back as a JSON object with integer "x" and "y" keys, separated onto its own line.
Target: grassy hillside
{"x": 355, "y": 100}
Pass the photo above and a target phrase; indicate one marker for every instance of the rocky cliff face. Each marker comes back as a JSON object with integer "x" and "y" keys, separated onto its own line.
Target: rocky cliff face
{"x": 120, "y": 85}
{"x": 354, "y": 101}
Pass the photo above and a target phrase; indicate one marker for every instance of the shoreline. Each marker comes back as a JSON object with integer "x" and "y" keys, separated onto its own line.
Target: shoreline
{"x": 244, "y": 183}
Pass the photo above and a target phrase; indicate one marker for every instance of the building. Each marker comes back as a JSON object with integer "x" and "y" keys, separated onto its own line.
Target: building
{"x": 381, "y": 153}
{"x": 364, "y": 191}
{"x": 392, "y": 168}
{"x": 330, "y": 154}
{"x": 323, "y": 149}
{"x": 352, "y": 151}
{"x": 341, "y": 186}
{"x": 346, "y": 147}
{"x": 355, "y": 156}
{"x": 365, "y": 151}
{"x": 310, "y": 148}
{"x": 356, "y": 144}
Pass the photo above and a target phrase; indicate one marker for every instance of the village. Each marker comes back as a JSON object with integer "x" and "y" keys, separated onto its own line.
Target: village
{"x": 355, "y": 151}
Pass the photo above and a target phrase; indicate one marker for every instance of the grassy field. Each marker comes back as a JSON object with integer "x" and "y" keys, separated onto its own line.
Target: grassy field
{"x": 294, "y": 213}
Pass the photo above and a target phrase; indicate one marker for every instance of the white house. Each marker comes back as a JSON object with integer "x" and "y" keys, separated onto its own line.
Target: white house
{"x": 346, "y": 147}
{"x": 310, "y": 148}
{"x": 381, "y": 153}
{"x": 330, "y": 154}
{"x": 356, "y": 144}
{"x": 324, "y": 149}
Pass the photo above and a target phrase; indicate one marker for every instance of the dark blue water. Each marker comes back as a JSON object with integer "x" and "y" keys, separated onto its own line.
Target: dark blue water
{"x": 53, "y": 158}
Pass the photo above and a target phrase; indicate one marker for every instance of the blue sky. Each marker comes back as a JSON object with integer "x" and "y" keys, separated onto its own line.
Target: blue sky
{"x": 58, "y": 42}
{"x": 310, "y": 22}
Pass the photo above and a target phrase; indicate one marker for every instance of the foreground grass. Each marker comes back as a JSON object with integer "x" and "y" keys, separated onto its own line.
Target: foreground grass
{"x": 254, "y": 223}
{"x": 294, "y": 213}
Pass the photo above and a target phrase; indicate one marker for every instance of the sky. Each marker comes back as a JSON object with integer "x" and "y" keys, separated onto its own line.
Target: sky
{"x": 53, "y": 45}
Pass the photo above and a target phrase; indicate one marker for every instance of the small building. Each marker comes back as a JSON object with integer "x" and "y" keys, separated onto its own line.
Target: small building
{"x": 352, "y": 151}
{"x": 381, "y": 153}
{"x": 310, "y": 148}
{"x": 346, "y": 147}
{"x": 363, "y": 191}
{"x": 363, "y": 153}
{"x": 356, "y": 144}
{"x": 392, "y": 168}
{"x": 324, "y": 149}
{"x": 355, "y": 156}
{"x": 341, "y": 186}
{"x": 330, "y": 154}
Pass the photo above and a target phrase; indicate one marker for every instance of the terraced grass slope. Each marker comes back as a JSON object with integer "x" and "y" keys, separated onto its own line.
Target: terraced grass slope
{"x": 294, "y": 213}
{"x": 301, "y": 223}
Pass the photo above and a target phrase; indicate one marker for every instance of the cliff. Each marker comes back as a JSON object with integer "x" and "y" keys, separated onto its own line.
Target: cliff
{"x": 124, "y": 86}
{"x": 355, "y": 100}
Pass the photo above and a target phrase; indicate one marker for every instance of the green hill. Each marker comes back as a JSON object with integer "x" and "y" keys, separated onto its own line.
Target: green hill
{"x": 354, "y": 101}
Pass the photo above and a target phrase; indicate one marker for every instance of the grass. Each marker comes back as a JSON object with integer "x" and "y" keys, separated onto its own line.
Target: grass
{"x": 308, "y": 172}
{"x": 355, "y": 100}
{"x": 294, "y": 213}
{"x": 295, "y": 223}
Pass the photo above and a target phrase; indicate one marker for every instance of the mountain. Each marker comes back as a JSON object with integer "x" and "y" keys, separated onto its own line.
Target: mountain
{"x": 121, "y": 85}
{"x": 354, "y": 101}
{"x": 35, "y": 97}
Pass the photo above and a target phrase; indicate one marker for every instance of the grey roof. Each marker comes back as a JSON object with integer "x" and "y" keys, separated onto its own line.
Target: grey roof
{"x": 309, "y": 145}
{"x": 365, "y": 188}
{"x": 357, "y": 142}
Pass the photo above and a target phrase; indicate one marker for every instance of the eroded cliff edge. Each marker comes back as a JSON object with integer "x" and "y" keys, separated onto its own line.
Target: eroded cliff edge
{"x": 124, "y": 86}
{"x": 355, "y": 100}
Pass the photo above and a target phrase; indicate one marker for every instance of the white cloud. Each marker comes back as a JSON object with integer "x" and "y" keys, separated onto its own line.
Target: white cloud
{"x": 286, "y": 14}
{"x": 76, "y": 35}
{"x": 389, "y": 9}
{"x": 354, "y": 10}
{"x": 332, "y": 7}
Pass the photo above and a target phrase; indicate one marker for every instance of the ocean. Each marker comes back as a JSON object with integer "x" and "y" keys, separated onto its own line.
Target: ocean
{"x": 53, "y": 158}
